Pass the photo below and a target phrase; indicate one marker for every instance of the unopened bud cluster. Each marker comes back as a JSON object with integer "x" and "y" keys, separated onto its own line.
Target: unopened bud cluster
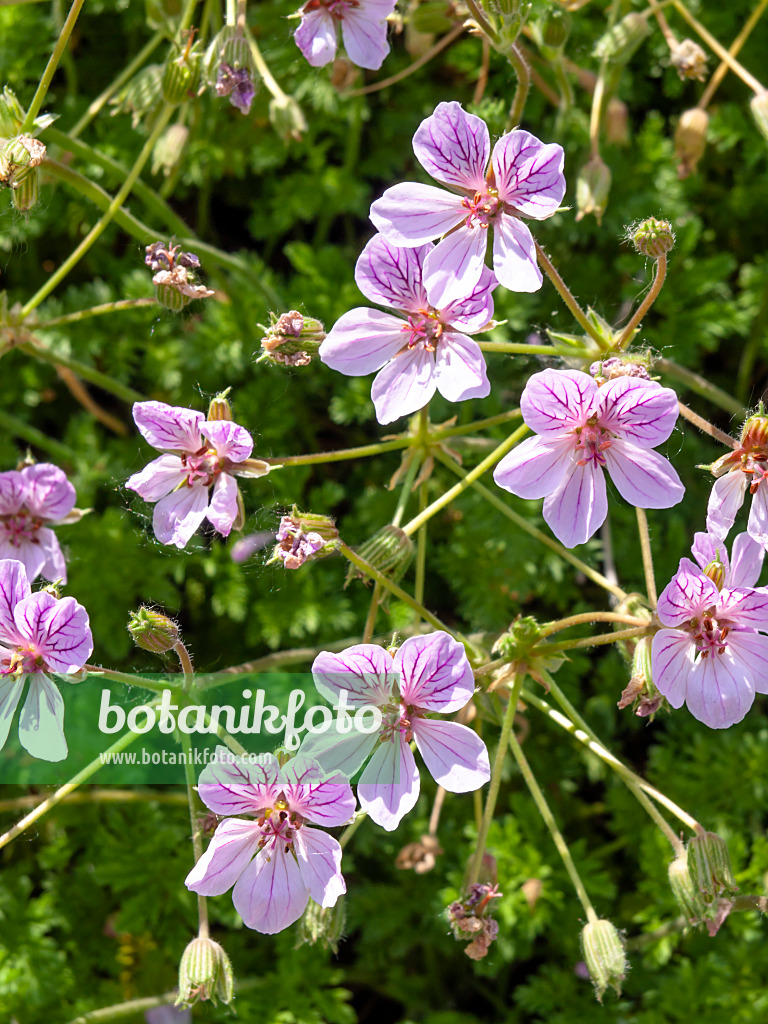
{"x": 153, "y": 631}
{"x": 175, "y": 277}
{"x": 205, "y": 973}
{"x": 303, "y": 536}
{"x": 652, "y": 237}
{"x": 291, "y": 338}
{"x": 470, "y": 918}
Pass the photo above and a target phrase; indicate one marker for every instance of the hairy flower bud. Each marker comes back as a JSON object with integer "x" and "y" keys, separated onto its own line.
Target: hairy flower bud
{"x": 181, "y": 73}
{"x": 620, "y": 42}
{"x": 287, "y": 118}
{"x": 11, "y": 114}
{"x": 291, "y": 339}
{"x": 652, "y": 237}
{"x": 592, "y": 187}
{"x": 205, "y": 972}
{"x": 690, "y": 140}
{"x": 153, "y": 631}
{"x": 390, "y": 550}
{"x": 554, "y": 33}
{"x": 754, "y": 433}
{"x": 322, "y": 924}
{"x": 710, "y": 866}
{"x": 604, "y": 956}
{"x": 690, "y": 60}
{"x": 685, "y": 892}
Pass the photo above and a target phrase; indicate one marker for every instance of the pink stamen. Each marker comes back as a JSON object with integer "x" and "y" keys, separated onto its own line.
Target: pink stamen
{"x": 483, "y": 208}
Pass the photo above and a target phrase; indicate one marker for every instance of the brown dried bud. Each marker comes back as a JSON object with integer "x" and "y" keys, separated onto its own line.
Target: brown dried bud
{"x": 690, "y": 60}
{"x": 690, "y": 140}
{"x": 419, "y": 857}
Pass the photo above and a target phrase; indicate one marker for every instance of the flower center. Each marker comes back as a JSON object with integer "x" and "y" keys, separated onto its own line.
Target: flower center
{"x": 202, "y": 467}
{"x": 336, "y": 8}
{"x": 591, "y": 441}
{"x": 708, "y": 635}
{"x": 425, "y": 328}
{"x": 278, "y": 826}
{"x": 757, "y": 468}
{"x": 483, "y": 208}
{"x": 397, "y": 721}
{"x": 22, "y": 661}
{"x": 21, "y": 526}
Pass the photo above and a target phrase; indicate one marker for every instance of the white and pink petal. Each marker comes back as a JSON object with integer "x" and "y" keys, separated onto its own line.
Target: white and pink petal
{"x": 412, "y": 214}
{"x": 362, "y": 341}
{"x": 535, "y": 467}
{"x": 642, "y": 477}
{"x": 49, "y": 494}
{"x": 672, "y": 659}
{"x": 177, "y": 516}
{"x": 232, "y": 848}
{"x": 460, "y": 370}
{"x": 168, "y": 427}
{"x": 390, "y": 275}
{"x": 454, "y": 267}
{"x": 319, "y": 857}
{"x": 514, "y": 255}
{"x": 453, "y": 147}
{"x": 456, "y": 757}
{"x": 158, "y": 478}
{"x": 637, "y": 410}
{"x": 389, "y": 786}
{"x": 271, "y": 893}
{"x": 529, "y": 173}
{"x": 404, "y": 385}
{"x": 435, "y": 673}
{"x": 41, "y": 723}
{"x": 577, "y": 508}
{"x": 554, "y": 402}
{"x": 316, "y": 37}
{"x": 229, "y": 440}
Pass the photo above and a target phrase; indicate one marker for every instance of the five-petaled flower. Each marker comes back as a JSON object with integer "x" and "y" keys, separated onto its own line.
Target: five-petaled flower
{"x": 424, "y": 350}
{"x": 427, "y": 674}
{"x": 30, "y": 498}
{"x": 710, "y": 654}
{"x": 39, "y": 635}
{"x": 746, "y": 466}
{"x": 584, "y": 429}
{"x": 523, "y": 178}
{"x": 274, "y": 860}
{"x": 363, "y": 29}
{"x": 200, "y": 454}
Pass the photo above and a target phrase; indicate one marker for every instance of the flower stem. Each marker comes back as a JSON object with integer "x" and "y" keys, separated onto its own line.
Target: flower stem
{"x": 421, "y": 549}
{"x": 370, "y": 621}
{"x": 706, "y": 427}
{"x": 719, "y": 49}
{"x": 523, "y": 349}
{"x": 262, "y": 68}
{"x": 102, "y": 380}
{"x": 722, "y": 69}
{"x": 50, "y": 70}
{"x": 129, "y": 679}
{"x": 186, "y": 663}
{"x": 343, "y": 453}
{"x": 350, "y": 830}
{"x": 549, "y": 820}
{"x": 495, "y": 783}
{"x": 565, "y": 294}
{"x": 425, "y": 58}
{"x": 587, "y": 617}
{"x": 660, "y": 272}
{"x": 519, "y": 63}
{"x": 645, "y": 547}
{"x": 86, "y": 314}
{"x": 12, "y": 426}
{"x": 590, "y": 641}
{"x": 195, "y": 812}
{"x": 471, "y": 428}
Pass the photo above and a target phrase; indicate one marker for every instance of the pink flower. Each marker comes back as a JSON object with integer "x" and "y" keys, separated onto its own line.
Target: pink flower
{"x": 524, "y": 177}
{"x": 712, "y": 656}
{"x": 29, "y": 498}
{"x": 584, "y": 429}
{"x": 274, "y": 860}
{"x": 39, "y": 635}
{"x": 427, "y": 674}
{"x": 745, "y": 467}
{"x": 200, "y": 454}
{"x": 363, "y": 29}
{"x": 423, "y": 350}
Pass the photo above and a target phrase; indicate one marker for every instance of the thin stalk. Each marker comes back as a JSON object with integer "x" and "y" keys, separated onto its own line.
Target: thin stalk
{"x": 263, "y": 69}
{"x": 706, "y": 427}
{"x": 495, "y": 783}
{"x": 483, "y": 24}
{"x": 590, "y": 641}
{"x": 195, "y": 812}
{"x": 86, "y": 314}
{"x": 553, "y": 545}
{"x": 373, "y": 610}
{"x": 110, "y": 795}
{"x": 350, "y": 830}
{"x": 702, "y": 386}
{"x": 131, "y": 680}
{"x": 470, "y": 428}
{"x": 716, "y": 46}
{"x": 660, "y": 272}
{"x": 421, "y": 549}
{"x": 134, "y": 1007}
{"x": 187, "y": 15}
{"x": 405, "y": 490}
{"x": 722, "y": 69}
{"x": 587, "y": 617}
{"x": 341, "y": 454}
{"x": 565, "y": 294}
{"x": 519, "y": 63}
{"x": 645, "y": 547}
{"x": 37, "y": 100}
{"x": 106, "y": 217}
{"x": 12, "y": 426}
{"x": 522, "y": 349}
{"x": 669, "y": 36}
{"x": 566, "y": 92}
{"x": 425, "y": 58}
{"x": 226, "y": 739}
{"x": 453, "y": 492}
{"x": 101, "y": 380}
{"x": 549, "y": 820}
{"x": 186, "y": 663}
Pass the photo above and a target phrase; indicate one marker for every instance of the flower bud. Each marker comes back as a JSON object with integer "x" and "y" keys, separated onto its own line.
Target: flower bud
{"x": 715, "y": 570}
{"x": 219, "y": 408}
{"x": 390, "y": 550}
{"x": 754, "y": 433}
{"x": 652, "y": 237}
{"x": 690, "y": 60}
{"x": 686, "y": 894}
{"x": 11, "y": 114}
{"x": 554, "y": 33}
{"x": 18, "y": 158}
{"x": 523, "y": 634}
{"x": 759, "y": 107}
{"x": 620, "y": 42}
{"x": 205, "y": 972}
{"x": 604, "y": 956}
{"x": 322, "y": 924}
{"x": 617, "y": 122}
{"x": 153, "y": 631}
{"x": 592, "y": 187}
{"x": 615, "y": 366}
{"x": 142, "y": 95}
{"x": 710, "y": 866}
{"x": 181, "y": 73}
{"x": 690, "y": 140}
{"x": 287, "y": 118}
{"x": 291, "y": 339}
{"x": 24, "y": 195}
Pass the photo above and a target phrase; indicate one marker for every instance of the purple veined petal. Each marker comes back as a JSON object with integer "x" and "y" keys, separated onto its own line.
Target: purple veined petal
{"x": 41, "y": 723}
{"x": 389, "y": 786}
{"x": 639, "y": 411}
{"x": 316, "y": 37}
{"x": 319, "y": 796}
{"x": 10, "y": 693}
{"x": 514, "y": 255}
{"x": 14, "y": 587}
{"x": 435, "y": 673}
{"x": 706, "y": 549}
{"x": 222, "y": 510}
{"x": 12, "y": 492}
{"x": 672, "y": 654}
{"x": 473, "y": 313}
{"x": 685, "y": 596}
{"x": 364, "y": 33}
{"x": 404, "y": 385}
{"x": 757, "y": 524}
{"x": 747, "y": 562}
{"x": 536, "y": 466}
{"x": 229, "y": 440}
{"x": 529, "y": 173}
{"x": 460, "y": 371}
{"x": 169, "y": 427}
{"x": 58, "y": 629}
{"x": 719, "y": 691}
{"x": 554, "y": 402}
{"x": 362, "y": 341}
{"x": 578, "y": 507}
{"x": 32, "y": 556}
{"x": 271, "y": 893}
{"x": 725, "y": 500}
{"x": 158, "y": 478}
{"x": 456, "y": 757}
{"x": 178, "y": 515}
{"x": 390, "y": 275}
{"x": 747, "y": 608}
{"x": 412, "y": 214}
{"x": 642, "y": 476}
{"x": 453, "y": 147}
{"x": 365, "y": 672}
{"x": 54, "y": 566}
{"x": 345, "y": 753}
{"x": 231, "y": 785}
{"x": 49, "y": 494}
{"x": 319, "y": 858}
{"x": 232, "y": 848}
{"x": 453, "y": 268}
{"x": 750, "y": 651}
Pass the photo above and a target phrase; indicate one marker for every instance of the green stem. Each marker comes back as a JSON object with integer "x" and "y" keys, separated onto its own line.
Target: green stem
{"x": 587, "y": 617}
{"x": 86, "y": 314}
{"x": 373, "y": 610}
{"x": 421, "y": 549}
{"x": 645, "y": 547}
{"x": 660, "y": 272}
{"x": 522, "y": 349}
{"x": 226, "y": 739}
{"x": 196, "y": 810}
{"x": 549, "y": 820}
{"x": 343, "y": 453}
{"x": 88, "y": 373}
{"x": 263, "y": 69}
{"x": 405, "y": 490}
{"x": 129, "y": 679}
{"x": 565, "y": 294}
{"x": 106, "y": 217}
{"x": 590, "y": 641}
{"x": 350, "y": 830}
{"x": 187, "y": 15}
{"x": 519, "y": 63}
{"x": 111, "y": 795}
{"x": 495, "y": 783}
{"x": 50, "y": 70}
{"x": 13, "y": 426}
{"x": 471, "y": 428}
{"x": 701, "y": 386}
{"x": 722, "y": 69}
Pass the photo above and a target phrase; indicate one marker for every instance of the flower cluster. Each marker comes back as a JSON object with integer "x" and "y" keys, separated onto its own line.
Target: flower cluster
{"x": 363, "y": 25}
{"x": 175, "y": 277}
{"x": 30, "y": 498}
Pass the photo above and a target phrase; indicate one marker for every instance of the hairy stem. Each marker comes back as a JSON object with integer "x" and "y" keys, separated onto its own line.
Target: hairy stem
{"x": 701, "y": 386}
{"x": 565, "y": 294}
{"x": 645, "y": 547}
{"x": 519, "y": 63}
{"x": 706, "y": 427}
{"x": 660, "y": 272}
{"x": 586, "y": 617}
